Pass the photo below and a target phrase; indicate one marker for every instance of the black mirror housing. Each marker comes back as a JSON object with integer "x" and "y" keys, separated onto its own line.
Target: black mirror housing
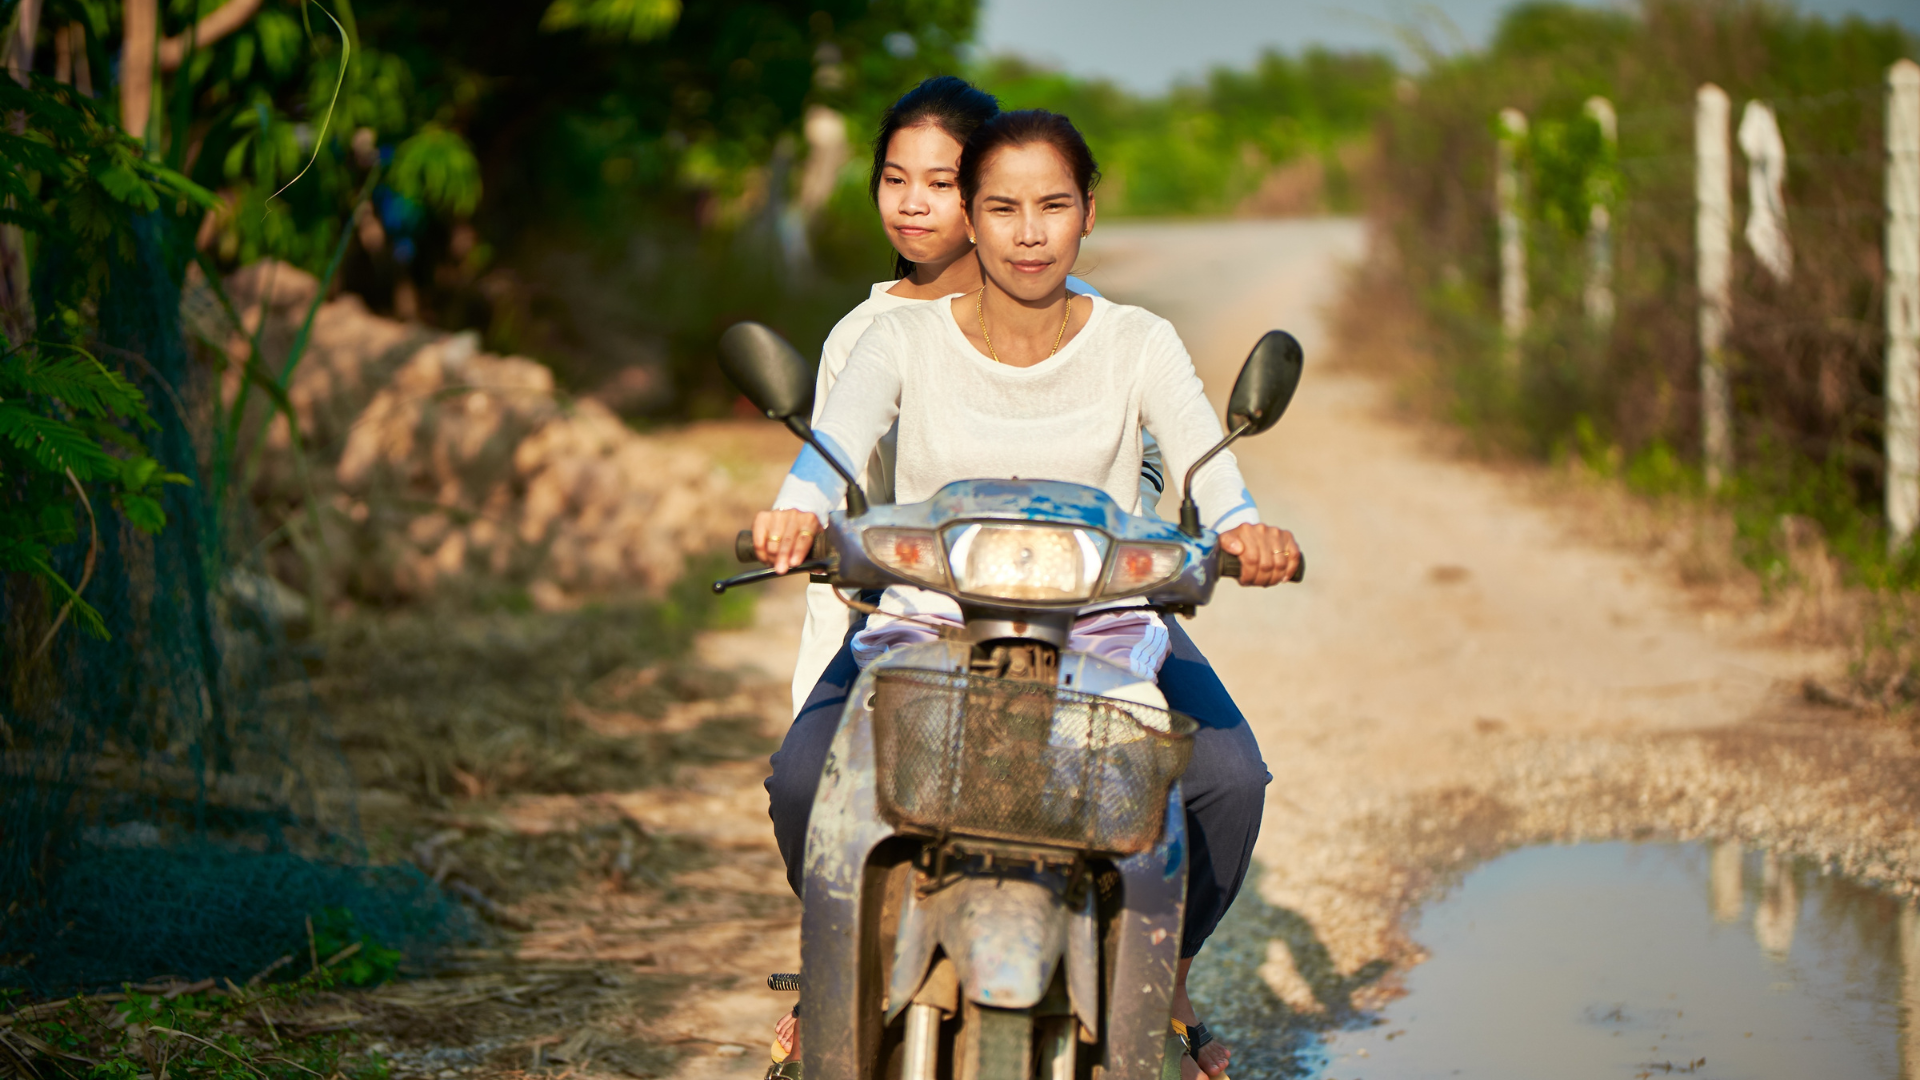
{"x": 1266, "y": 384}
{"x": 1260, "y": 396}
{"x": 779, "y": 383}
{"x": 768, "y": 370}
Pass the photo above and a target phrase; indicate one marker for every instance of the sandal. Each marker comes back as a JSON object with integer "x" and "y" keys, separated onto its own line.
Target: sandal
{"x": 1193, "y": 1037}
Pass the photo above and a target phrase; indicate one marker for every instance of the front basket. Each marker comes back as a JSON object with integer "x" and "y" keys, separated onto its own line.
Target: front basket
{"x": 1026, "y": 762}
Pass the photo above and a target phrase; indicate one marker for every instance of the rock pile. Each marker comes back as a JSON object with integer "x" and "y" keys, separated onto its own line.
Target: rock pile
{"x": 425, "y": 462}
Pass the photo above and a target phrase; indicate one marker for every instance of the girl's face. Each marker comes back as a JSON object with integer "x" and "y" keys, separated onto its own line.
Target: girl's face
{"x": 1028, "y": 217}
{"x": 920, "y": 195}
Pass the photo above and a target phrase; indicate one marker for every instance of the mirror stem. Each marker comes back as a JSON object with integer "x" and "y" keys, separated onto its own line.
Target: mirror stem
{"x": 856, "y": 499}
{"x": 1189, "y": 513}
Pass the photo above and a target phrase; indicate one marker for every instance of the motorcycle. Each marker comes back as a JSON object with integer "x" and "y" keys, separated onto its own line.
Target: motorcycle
{"x": 996, "y": 862}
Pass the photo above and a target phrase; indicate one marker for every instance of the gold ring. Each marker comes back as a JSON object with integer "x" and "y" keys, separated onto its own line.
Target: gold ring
{"x": 774, "y": 539}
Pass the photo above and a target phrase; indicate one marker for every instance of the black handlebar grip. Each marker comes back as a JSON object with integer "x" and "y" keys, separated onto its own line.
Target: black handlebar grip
{"x": 1230, "y": 567}
{"x": 743, "y": 547}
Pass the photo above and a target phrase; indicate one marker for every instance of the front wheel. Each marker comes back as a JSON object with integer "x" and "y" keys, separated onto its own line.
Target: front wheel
{"x": 995, "y": 1044}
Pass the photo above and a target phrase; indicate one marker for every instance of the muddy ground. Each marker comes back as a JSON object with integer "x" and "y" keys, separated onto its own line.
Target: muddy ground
{"x": 1481, "y": 658}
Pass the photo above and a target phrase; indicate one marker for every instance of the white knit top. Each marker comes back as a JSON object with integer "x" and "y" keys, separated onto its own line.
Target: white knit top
{"x": 1077, "y": 416}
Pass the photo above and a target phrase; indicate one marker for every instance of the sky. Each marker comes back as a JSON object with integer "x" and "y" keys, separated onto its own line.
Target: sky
{"x": 1146, "y": 45}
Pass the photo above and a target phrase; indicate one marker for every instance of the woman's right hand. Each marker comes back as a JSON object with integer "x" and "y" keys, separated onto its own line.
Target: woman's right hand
{"x": 784, "y": 538}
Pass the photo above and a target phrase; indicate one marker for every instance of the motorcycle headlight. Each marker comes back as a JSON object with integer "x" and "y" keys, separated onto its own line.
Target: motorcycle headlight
{"x": 911, "y": 553}
{"x": 1026, "y": 562}
{"x": 1138, "y": 567}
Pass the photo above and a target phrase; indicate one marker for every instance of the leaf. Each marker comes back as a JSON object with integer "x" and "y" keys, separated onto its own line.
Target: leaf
{"x": 124, "y": 184}
{"x": 634, "y": 20}
{"x": 137, "y": 472}
{"x": 77, "y": 380}
{"x": 437, "y": 167}
{"x": 279, "y": 38}
{"x": 54, "y": 445}
{"x": 143, "y": 512}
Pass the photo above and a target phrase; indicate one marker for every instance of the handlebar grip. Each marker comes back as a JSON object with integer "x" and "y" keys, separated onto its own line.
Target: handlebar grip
{"x": 743, "y": 547}
{"x": 1230, "y": 567}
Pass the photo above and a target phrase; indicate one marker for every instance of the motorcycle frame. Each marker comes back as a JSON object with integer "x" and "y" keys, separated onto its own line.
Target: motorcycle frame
{"x": 852, "y": 850}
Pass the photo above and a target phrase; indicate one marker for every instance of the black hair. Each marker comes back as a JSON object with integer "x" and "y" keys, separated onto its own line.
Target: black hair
{"x": 952, "y": 104}
{"x": 1024, "y": 127}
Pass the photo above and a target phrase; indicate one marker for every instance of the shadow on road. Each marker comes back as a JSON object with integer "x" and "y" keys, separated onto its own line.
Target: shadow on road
{"x": 1233, "y": 984}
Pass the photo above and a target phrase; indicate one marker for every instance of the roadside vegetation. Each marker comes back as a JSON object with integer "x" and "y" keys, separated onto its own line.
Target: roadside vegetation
{"x": 1802, "y": 508}
{"x": 1284, "y": 137}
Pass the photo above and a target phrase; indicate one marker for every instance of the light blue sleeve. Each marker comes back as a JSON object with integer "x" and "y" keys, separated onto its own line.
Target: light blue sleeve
{"x": 859, "y": 409}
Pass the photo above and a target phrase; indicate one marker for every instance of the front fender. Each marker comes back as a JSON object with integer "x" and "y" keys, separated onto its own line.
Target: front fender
{"x": 1005, "y": 936}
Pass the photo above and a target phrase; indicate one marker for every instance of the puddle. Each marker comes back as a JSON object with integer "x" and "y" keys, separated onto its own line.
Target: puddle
{"x": 1623, "y": 961}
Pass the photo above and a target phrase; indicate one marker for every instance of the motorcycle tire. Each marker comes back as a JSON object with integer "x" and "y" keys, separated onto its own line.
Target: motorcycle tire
{"x": 998, "y": 1043}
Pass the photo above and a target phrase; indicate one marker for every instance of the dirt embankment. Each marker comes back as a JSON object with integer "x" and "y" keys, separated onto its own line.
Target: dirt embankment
{"x": 430, "y": 464}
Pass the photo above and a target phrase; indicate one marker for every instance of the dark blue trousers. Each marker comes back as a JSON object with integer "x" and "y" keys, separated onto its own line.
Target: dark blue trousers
{"x": 1224, "y": 785}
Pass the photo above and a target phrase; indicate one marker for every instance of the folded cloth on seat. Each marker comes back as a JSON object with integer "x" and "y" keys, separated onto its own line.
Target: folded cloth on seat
{"x": 1131, "y": 637}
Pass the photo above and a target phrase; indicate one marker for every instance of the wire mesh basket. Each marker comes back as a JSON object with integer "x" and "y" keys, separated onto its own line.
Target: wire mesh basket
{"x": 1025, "y": 762}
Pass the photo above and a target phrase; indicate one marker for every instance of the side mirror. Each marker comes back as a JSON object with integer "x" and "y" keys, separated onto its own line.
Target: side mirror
{"x": 768, "y": 370}
{"x": 779, "y": 383}
{"x": 1260, "y": 396}
{"x": 1266, "y": 384}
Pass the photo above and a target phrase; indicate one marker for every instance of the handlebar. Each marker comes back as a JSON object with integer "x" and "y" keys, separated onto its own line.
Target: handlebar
{"x": 743, "y": 551}
{"x": 1230, "y": 567}
{"x": 743, "y": 547}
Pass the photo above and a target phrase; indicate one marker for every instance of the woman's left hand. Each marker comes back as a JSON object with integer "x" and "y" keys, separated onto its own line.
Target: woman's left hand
{"x": 1268, "y": 555}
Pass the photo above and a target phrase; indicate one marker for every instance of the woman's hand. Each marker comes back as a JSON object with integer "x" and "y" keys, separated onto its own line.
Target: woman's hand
{"x": 784, "y": 537}
{"x": 1268, "y": 555}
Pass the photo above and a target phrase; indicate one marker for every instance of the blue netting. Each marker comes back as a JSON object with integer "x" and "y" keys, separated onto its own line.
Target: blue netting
{"x": 171, "y": 802}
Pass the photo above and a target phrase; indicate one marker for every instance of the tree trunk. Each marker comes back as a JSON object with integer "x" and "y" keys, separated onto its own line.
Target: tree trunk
{"x": 16, "y": 294}
{"x": 26, "y": 25}
{"x": 142, "y": 27}
{"x": 222, "y": 21}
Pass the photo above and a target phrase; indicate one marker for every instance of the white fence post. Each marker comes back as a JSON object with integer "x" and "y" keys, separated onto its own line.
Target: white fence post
{"x": 1513, "y": 235}
{"x": 1903, "y": 301}
{"x": 1599, "y": 292}
{"x": 1713, "y": 242}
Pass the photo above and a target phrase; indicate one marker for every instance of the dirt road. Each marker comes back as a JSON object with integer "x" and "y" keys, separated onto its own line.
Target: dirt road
{"x": 1458, "y": 675}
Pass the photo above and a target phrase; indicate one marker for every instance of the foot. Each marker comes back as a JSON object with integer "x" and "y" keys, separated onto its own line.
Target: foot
{"x": 786, "y": 1039}
{"x": 1212, "y": 1057}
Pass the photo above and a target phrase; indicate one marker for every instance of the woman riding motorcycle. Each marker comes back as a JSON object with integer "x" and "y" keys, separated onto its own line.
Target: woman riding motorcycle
{"x": 1025, "y": 313}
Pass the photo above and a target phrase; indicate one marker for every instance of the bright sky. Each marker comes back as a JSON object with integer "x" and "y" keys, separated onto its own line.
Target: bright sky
{"x": 1148, "y": 44}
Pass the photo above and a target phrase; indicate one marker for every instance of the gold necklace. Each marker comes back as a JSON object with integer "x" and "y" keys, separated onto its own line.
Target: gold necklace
{"x": 980, "y": 310}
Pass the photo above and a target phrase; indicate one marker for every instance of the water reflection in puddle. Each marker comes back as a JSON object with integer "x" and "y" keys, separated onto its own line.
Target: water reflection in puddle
{"x": 1639, "y": 960}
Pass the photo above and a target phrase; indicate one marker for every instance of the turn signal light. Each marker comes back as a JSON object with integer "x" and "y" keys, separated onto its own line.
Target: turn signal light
{"x": 911, "y": 553}
{"x": 1139, "y": 567}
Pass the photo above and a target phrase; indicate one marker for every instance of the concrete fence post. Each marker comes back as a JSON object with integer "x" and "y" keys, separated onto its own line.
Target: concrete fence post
{"x": 1713, "y": 244}
{"x": 1599, "y": 292}
{"x": 1903, "y": 300}
{"x": 1513, "y": 235}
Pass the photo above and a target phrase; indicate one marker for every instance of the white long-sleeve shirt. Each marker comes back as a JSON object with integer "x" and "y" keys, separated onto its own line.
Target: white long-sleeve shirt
{"x": 827, "y": 618}
{"x": 1077, "y": 416}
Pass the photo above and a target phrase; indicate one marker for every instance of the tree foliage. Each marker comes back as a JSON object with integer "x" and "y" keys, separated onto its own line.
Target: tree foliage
{"x": 1204, "y": 148}
{"x": 69, "y": 424}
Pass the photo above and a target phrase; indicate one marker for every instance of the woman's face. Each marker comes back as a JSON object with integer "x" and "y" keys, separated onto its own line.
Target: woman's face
{"x": 1028, "y": 217}
{"x": 920, "y": 195}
